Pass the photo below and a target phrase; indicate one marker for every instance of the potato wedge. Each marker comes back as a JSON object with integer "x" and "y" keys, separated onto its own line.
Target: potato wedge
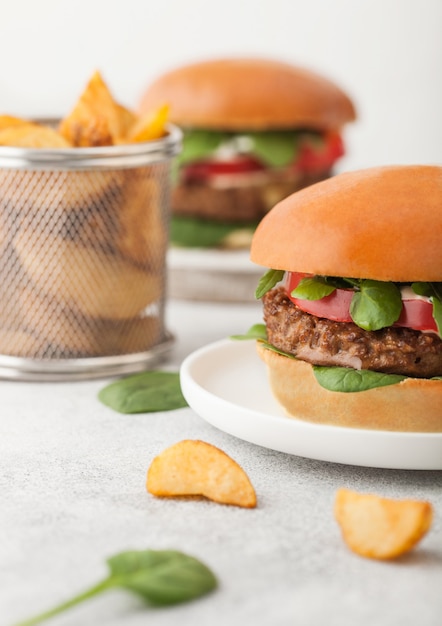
{"x": 380, "y": 528}
{"x": 96, "y": 119}
{"x": 6, "y": 121}
{"x": 150, "y": 126}
{"x": 28, "y": 135}
{"x": 196, "y": 468}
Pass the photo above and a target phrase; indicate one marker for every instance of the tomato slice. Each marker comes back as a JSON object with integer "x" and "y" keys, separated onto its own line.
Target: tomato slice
{"x": 416, "y": 312}
{"x": 334, "y": 307}
{"x": 205, "y": 169}
{"x": 314, "y": 158}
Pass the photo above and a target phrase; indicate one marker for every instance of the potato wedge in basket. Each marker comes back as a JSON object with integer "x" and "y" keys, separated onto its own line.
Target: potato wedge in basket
{"x": 29, "y": 135}
{"x": 96, "y": 119}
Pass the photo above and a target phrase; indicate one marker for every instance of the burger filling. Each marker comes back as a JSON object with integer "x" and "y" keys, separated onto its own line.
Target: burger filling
{"x": 321, "y": 341}
{"x": 390, "y": 328}
{"x": 225, "y": 180}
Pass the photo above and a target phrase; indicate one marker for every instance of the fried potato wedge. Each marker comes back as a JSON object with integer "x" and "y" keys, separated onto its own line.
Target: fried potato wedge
{"x": 127, "y": 120}
{"x": 6, "y": 121}
{"x": 380, "y": 528}
{"x": 196, "y": 468}
{"x": 96, "y": 119}
{"x": 150, "y": 126}
{"x": 28, "y": 135}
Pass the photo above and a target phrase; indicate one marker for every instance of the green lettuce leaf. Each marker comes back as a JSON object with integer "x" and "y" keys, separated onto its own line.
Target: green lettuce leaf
{"x": 191, "y": 232}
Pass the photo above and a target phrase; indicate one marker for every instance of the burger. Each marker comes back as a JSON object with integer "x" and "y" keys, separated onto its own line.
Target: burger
{"x": 254, "y": 131}
{"x": 352, "y": 299}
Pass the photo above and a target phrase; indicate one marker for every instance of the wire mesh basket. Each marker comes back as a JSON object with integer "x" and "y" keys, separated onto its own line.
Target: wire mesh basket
{"x": 83, "y": 241}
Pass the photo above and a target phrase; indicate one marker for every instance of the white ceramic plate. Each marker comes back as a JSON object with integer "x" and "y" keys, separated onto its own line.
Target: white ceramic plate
{"x": 226, "y": 384}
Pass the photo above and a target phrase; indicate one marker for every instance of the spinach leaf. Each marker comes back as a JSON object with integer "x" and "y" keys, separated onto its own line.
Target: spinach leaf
{"x": 144, "y": 393}
{"x": 434, "y": 292}
{"x": 257, "y": 331}
{"x": 377, "y": 304}
{"x": 190, "y": 232}
{"x": 275, "y": 148}
{"x": 268, "y": 281}
{"x": 281, "y": 147}
{"x": 200, "y": 144}
{"x": 160, "y": 577}
{"x": 313, "y": 288}
{"x": 347, "y": 380}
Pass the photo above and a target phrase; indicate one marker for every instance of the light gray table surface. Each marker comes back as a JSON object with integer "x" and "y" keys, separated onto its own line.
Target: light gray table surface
{"x": 73, "y": 492}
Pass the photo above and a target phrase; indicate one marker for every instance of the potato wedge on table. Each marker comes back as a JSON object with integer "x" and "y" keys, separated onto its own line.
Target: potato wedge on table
{"x": 196, "y": 468}
{"x": 381, "y": 528}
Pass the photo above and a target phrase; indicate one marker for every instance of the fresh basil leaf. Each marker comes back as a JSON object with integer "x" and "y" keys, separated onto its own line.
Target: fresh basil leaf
{"x": 268, "y": 281}
{"x": 162, "y": 577}
{"x": 189, "y": 232}
{"x": 377, "y": 304}
{"x": 200, "y": 144}
{"x": 312, "y": 288}
{"x": 257, "y": 331}
{"x": 348, "y": 380}
{"x": 144, "y": 393}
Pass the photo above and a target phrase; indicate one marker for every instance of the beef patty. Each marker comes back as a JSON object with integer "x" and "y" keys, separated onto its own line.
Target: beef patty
{"x": 242, "y": 199}
{"x": 319, "y": 341}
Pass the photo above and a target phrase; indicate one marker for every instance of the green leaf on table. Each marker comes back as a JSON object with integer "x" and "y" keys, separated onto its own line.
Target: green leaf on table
{"x": 160, "y": 577}
{"x": 147, "y": 392}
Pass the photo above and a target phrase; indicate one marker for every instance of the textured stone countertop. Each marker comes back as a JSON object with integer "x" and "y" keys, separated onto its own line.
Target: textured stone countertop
{"x": 72, "y": 477}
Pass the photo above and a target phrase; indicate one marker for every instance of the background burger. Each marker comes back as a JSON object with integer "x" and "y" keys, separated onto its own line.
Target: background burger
{"x": 254, "y": 131}
{"x": 353, "y": 300}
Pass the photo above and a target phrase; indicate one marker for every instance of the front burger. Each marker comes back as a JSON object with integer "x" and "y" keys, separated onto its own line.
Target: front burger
{"x": 353, "y": 299}
{"x": 255, "y": 130}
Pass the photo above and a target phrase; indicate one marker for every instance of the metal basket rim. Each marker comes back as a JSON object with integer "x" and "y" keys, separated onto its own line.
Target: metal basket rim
{"x": 99, "y": 157}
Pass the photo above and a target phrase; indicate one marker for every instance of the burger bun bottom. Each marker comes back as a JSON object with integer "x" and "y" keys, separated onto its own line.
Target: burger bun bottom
{"x": 413, "y": 405}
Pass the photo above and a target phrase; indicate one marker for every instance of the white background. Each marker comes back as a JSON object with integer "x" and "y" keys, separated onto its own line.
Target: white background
{"x": 387, "y": 54}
